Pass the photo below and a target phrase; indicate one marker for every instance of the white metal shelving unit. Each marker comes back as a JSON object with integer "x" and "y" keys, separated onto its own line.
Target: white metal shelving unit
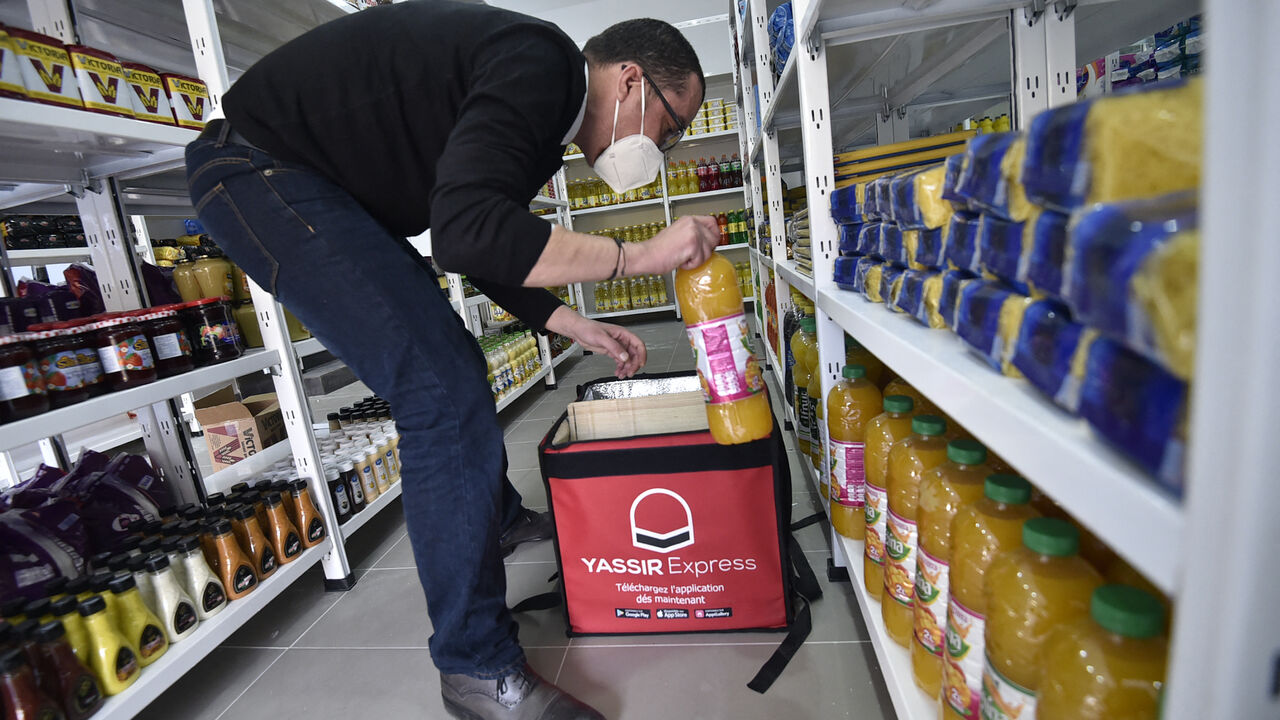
{"x": 880, "y": 71}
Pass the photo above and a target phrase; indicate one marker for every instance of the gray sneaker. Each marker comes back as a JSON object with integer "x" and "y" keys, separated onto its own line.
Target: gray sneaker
{"x": 529, "y": 527}
{"x": 522, "y": 695}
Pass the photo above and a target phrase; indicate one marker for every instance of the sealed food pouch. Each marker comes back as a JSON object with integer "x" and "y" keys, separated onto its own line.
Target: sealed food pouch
{"x": 962, "y": 243}
{"x": 102, "y": 81}
{"x": 11, "y": 83}
{"x": 929, "y": 248}
{"x": 891, "y": 248}
{"x": 844, "y": 272}
{"x": 1139, "y": 407}
{"x": 849, "y": 233}
{"x": 1052, "y": 352}
{"x": 1117, "y": 147}
{"x": 982, "y": 181}
{"x": 883, "y": 188}
{"x": 989, "y": 318}
{"x": 935, "y": 211}
{"x": 1131, "y": 271}
{"x": 930, "y": 311}
{"x": 872, "y": 282}
{"x": 953, "y": 283}
{"x": 1004, "y": 254}
{"x": 844, "y": 205}
{"x": 953, "y": 167}
{"x": 1048, "y": 231}
{"x": 860, "y": 271}
{"x": 46, "y": 68}
{"x": 906, "y": 211}
{"x": 911, "y": 294}
{"x": 890, "y": 284}
{"x": 869, "y": 238}
{"x": 147, "y": 95}
{"x": 1020, "y": 208}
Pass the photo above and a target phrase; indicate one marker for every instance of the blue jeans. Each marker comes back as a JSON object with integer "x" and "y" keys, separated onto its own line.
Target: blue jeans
{"x": 376, "y": 304}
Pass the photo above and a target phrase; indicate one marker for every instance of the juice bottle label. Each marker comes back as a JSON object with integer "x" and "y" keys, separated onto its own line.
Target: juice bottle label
{"x": 900, "y": 559}
{"x": 875, "y": 512}
{"x": 848, "y": 474}
{"x": 932, "y": 581}
{"x": 804, "y": 415}
{"x": 962, "y": 688}
{"x": 727, "y": 369}
{"x": 1003, "y": 699}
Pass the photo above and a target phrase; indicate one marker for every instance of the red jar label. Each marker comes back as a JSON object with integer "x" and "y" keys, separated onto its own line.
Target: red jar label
{"x": 133, "y": 353}
{"x": 61, "y": 371}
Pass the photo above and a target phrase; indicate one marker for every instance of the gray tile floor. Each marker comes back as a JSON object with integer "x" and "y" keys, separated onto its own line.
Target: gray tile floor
{"x": 363, "y": 653}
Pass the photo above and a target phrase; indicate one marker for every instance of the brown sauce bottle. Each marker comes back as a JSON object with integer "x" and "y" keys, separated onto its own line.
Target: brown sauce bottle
{"x": 234, "y": 568}
{"x": 67, "y": 680}
{"x": 244, "y": 521}
{"x": 284, "y": 537}
{"x": 20, "y": 695}
{"x": 306, "y": 516}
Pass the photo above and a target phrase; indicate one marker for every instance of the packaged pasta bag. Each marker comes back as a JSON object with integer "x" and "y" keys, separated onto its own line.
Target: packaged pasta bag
{"x": 910, "y": 297}
{"x": 1004, "y": 253}
{"x": 930, "y": 312}
{"x": 1052, "y": 351}
{"x": 891, "y": 244}
{"x": 844, "y": 205}
{"x": 1048, "y": 231}
{"x": 891, "y": 284}
{"x": 1020, "y": 208}
{"x": 962, "y": 243}
{"x": 1139, "y": 407}
{"x": 953, "y": 283}
{"x": 881, "y": 186}
{"x": 860, "y": 272}
{"x": 869, "y": 238}
{"x": 849, "y": 233}
{"x": 953, "y": 167}
{"x": 989, "y": 318}
{"x": 843, "y": 274}
{"x": 982, "y": 181}
{"x": 1131, "y": 272}
{"x": 1117, "y": 147}
{"x": 872, "y": 281}
{"x": 935, "y": 212}
{"x": 906, "y": 211}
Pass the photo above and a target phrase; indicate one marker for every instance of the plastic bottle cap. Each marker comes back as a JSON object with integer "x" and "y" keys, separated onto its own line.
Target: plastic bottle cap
{"x": 187, "y": 544}
{"x": 12, "y": 607}
{"x": 137, "y": 563}
{"x": 56, "y": 586}
{"x": 1008, "y": 489}
{"x": 966, "y": 452}
{"x": 98, "y": 581}
{"x": 150, "y": 545}
{"x": 928, "y": 425}
{"x": 298, "y": 485}
{"x": 1128, "y": 611}
{"x": 898, "y": 404}
{"x": 808, "y": 324}
{"x": 272, "y": 500}
{"x": 122, "y": 583}
{"x": 63, "y": 605}
{"x": 156, "y": 563}
{"x": 77, "y": 586}
{"x": 93, "y": 605}
{"x": 98, "y": 560}
{"x": 221, "y": 527}
{"x": 1051, "y": 536}
{"x": 129, "y": 544}
{"x": 853, "y": 372}
{"x": 215, "y": 499}
{"x": 12, "y": 661}
{"x": 119, "y": 562}
{"x": 50, "y": 632}
{"x": 25, "y": 628}
{"x": 36, "y": 608}
{"x": 6, "y": 634}
{"x": 170, "y": 544}
{"x": 243, "y": 512}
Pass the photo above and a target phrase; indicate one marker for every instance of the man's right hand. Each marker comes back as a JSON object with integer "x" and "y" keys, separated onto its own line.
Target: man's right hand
{"x": 685, "y": 243}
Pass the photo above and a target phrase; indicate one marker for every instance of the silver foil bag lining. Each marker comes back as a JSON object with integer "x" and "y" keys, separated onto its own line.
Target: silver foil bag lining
{"x": 642, "y": 387}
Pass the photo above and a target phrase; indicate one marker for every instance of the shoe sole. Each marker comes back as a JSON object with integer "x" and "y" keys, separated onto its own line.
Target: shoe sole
{"x": 458, "y": 711}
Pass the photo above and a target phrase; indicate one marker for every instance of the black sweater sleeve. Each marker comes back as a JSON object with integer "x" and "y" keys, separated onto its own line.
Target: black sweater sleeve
{"x": 510, "y": 117}
{"x": 533, "y": 306}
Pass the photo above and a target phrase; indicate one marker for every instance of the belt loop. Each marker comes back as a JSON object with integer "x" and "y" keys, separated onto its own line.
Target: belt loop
{"x": 223, "y": 132}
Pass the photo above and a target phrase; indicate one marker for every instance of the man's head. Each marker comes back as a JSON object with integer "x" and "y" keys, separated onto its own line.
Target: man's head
{"x": 634, "y": 57}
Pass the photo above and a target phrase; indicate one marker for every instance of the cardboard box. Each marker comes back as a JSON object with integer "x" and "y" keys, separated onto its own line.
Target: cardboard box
{"x": 235, "y": 429}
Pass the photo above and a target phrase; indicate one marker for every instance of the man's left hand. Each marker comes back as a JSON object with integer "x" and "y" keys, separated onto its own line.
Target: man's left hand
{"x": 626, "y": 349}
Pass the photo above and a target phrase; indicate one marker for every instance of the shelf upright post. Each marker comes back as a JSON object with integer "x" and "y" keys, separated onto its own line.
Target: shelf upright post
{"x": 53, "y": 18}
{"x": 1223, "y": 661}
{"x": 815, "y": 128}
{"x": 206, "y": 45}
{"x": 1043, "y": 53}
{"x": 772, "y": 164}
{"x": 746, "y": 138}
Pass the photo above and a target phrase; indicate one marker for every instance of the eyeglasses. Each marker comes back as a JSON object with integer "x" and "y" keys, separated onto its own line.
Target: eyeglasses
{"x": 672, "y": 137}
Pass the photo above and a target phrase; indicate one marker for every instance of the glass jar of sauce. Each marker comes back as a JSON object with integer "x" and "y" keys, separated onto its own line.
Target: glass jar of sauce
{"x": 22, "y": 392}
{"x": 214, "y": 335}
{"x": 83, "y": 337}
{"x": 213, "y": 274}
{"x": 59, "y": 367}
{"x": 247, "y": 322}
{"x": 184, "y": 277}
{"x": 169, "y": 343}
{"x": 127, "y": 360}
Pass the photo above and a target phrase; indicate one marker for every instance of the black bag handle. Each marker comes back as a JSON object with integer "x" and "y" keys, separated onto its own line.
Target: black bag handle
{"x": 541, "y": 601}
{"x": 805, "y": 522}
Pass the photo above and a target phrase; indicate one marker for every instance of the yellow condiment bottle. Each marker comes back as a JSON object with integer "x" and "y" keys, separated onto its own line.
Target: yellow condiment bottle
{"x": 979, "y": 533}
{"x": 883, "y": 431}
{"x": 184, "y": 278}
{"x": 139, "y": 626}
{"x": 1109, "y": 666}
{"x": 924, "y": 450}
{"x": 801, "y": 374}
{"x": 943, "y": 491}
{"x": 737, "y": 403}
{"x": 851, "y": 404}
{"x": 112, "y": 658}
{"x": 65, "y": 611}
{"x": 1030, "y": 592}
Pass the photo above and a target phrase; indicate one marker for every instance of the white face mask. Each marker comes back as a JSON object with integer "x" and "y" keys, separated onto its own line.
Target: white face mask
{"x": 632, "y": 162}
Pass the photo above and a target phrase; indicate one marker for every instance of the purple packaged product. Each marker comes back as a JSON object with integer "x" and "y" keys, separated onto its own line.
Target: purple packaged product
{"x": 90, "y": 462}
{"x": 114, "y": 508}
{"x": 16, "y": 314}
{"x": 58, "y": 304}
{"x": 83, "y": 282}
{"x": 45, "y": 478}
{"x": 135, "y": 470}
{"x": 61, "y": 519}
{"x": 160, "y": 286}
{"x": 32, "y": 558}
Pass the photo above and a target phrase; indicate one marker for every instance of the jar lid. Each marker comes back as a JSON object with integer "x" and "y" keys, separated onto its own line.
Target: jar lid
{"x": 206, "y": 301}
{"x": 113, "y": 322}
{"x": 45, "y": 334}
{"x": 13, "y": 339}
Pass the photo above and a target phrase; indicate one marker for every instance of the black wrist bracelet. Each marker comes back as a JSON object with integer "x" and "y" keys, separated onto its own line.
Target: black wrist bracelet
{"x": 617, "y": 266}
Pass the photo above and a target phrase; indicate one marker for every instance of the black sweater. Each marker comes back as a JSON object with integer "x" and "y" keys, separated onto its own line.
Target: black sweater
{"x": 432, "y": 114}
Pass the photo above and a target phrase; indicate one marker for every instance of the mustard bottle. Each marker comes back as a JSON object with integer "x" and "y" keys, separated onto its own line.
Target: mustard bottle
{"x": 111, "y": 658}
{"x": 139, "y": 626}
{"x": 64, "y": 610}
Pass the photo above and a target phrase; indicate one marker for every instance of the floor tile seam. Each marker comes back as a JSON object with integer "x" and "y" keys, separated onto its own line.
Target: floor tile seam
{"x": 766, "y": 643}
{"x": 249, "y": 686}
{"x": 563, "y": 658}
{"x": 328, "y": 610}
{"x": 397, "y": 647}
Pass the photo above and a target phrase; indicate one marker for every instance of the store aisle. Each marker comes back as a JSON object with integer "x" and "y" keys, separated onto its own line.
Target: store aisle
{"x": 363, "y": 654}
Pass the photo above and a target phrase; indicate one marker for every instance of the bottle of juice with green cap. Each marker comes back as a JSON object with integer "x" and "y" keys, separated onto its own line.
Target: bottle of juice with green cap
{"x": 801, "y": 344}
{"x": 943, "y": 491}
{"x": 1031, "y": 591}
{"x": 883, "y": 431}
{"x": 979, "y": 533}
{"x": 924, "y": 450}
{"x": 1111, "y": 665}
{"x": 851, "y": 404}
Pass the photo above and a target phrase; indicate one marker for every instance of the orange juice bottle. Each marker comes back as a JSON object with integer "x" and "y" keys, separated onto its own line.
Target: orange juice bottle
{"x": 1110, "y": 666}
{"x": 979, "y": 533}
{"x": 851, "y": 404}
{"x": 737, "y": 404}
{"x": 802, "y": 343}
{"x": 943, "y": 491}
{"x": 924, "y": 450}
{"x": 1091, "y": 546}
{"x": 898, "y": 386}
{"x": 855, "y": 354}
{"x": 882, "y": 432}
{"x": 1030, "y": 592}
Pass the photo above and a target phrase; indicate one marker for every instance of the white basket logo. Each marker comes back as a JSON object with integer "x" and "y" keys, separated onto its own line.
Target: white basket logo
{"x": 681, "y": 537}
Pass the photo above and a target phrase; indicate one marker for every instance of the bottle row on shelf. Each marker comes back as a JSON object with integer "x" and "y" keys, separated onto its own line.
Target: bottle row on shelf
{"x": 360, "y": 457}
{"x": 689, "y": 177}
{"x": 593, "y": 193}
{"x": 42, "y": 232}
{"x": 636, "y": 293}
{"x": 512, "y": 358}
{"x": 1008, "y": 606}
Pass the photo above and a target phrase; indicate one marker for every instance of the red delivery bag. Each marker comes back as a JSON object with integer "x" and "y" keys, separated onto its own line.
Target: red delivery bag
{"x": 674, "y": 533}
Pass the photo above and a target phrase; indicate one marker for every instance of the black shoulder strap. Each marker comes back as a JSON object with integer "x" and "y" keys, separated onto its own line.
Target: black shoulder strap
{"x": 542, "y": 601}
{"x": 807, "y": 589}
{"x": 805, "y": 522}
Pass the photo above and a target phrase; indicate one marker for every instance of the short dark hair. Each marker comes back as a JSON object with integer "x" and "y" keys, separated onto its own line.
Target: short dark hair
{"x": 657, "y": 46}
